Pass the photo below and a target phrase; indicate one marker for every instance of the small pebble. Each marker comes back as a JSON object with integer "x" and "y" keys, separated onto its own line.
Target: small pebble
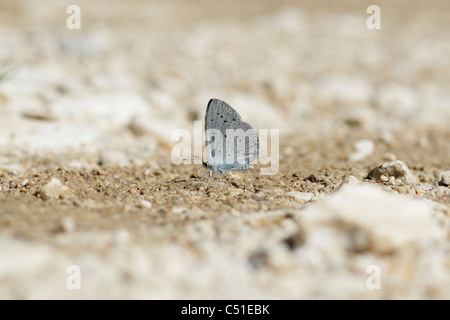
{"x": 403, "y": 190}
{"x": 178, "y": 210}
{"x": 445, "y": 178}
{"x": 234, "y": 193}
{"x": 144, "y": 204}
{"x": 24, "y": 183}
{"x": 395, "y": 169}
{"x": 299, "y": 196}
{"x": 43, "y": 114}
{"x": 363, "y": 148}
{"x": 138, "y": 127}
{"x": 67, "y": 224}
{"x": 55, "y": 189}
{"x": 349, "y": 181}
{"x": 389, "y": 157}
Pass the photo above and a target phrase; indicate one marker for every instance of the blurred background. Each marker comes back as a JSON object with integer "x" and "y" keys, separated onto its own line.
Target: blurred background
{"x": 135, "y": 72}
{"x": 95, "y": 107}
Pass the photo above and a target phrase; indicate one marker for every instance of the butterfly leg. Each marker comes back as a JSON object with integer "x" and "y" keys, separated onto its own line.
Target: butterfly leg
{"x": 233, "y": 177}
{"x": 210, "y": 175}
{"x": 226, "y": 178}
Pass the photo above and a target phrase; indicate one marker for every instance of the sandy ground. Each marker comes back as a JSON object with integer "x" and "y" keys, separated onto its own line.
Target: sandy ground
{"x": 87, "y": 180}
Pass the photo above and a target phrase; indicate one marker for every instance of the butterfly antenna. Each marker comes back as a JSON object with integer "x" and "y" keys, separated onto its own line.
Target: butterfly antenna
{"x": 190, "y": 159}
{"x": 210, "y": 175}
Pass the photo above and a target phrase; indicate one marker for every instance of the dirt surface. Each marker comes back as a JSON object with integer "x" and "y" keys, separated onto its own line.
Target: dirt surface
{"x": 95, "y": 109}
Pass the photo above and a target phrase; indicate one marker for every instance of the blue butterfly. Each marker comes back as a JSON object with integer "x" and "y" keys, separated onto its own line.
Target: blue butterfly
{"x": 231, "y": 144}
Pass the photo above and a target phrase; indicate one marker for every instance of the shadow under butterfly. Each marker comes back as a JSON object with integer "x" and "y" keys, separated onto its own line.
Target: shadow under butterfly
{"x": 231, "y": 144}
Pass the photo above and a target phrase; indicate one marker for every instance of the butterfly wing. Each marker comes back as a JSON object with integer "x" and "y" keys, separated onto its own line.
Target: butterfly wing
{"x": 235, "y": 152}
{"x": 245, "y": 143}
{"x": 219, "y": 115}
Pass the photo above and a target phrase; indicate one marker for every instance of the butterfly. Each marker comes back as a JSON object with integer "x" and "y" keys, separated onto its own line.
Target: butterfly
{"x": 231, "y": 144}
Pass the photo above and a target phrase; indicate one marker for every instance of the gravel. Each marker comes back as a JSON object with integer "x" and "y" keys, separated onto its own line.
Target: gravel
{"x": 359, "y": 180}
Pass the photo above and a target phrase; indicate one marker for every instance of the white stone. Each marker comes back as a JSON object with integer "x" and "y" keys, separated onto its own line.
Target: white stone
{"x": 396, "y": 169}
{"x": 144, "y": 204}
{"x": 179, "y": 210}
{"x": 367, "y": 218}
{"x": 445, "y": 178}
{"x": 363, "y": 148}
{"x": 349, "y": 181}
{"x": 357, "y": 117}
{"x": 139, "y": 127}
{"x": 68, "y": 224}
{"x": 44, "y": 114}
{"x": 300, "y": 196}
{"x": 56, "y": 189}
{"x": 388, "y": 157}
